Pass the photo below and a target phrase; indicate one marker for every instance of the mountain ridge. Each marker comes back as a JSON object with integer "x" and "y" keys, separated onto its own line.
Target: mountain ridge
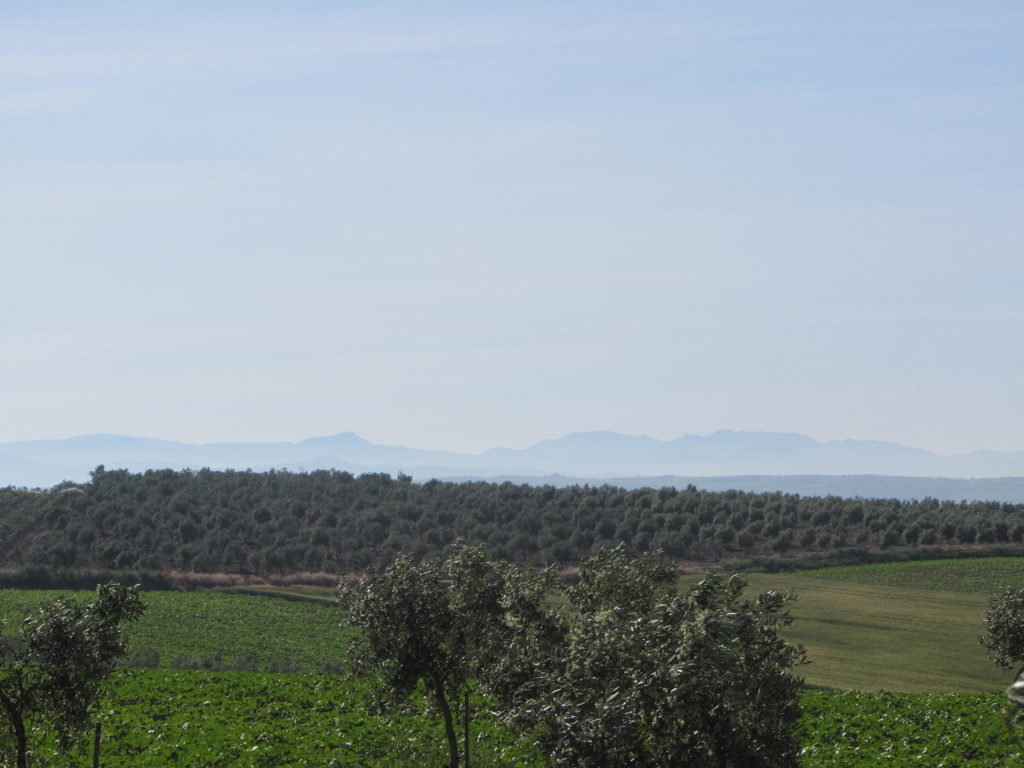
{"x": 592, "y": 456}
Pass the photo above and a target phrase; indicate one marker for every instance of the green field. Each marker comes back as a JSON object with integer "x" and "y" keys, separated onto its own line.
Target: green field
{"x": 244, "y": 719}
{"x": 901, "y": 628}
{"x": 326, "y": 595}
{"x": 155, "y": 718}
{"x": 909, "y": 627}
{"x": 979, "y": 576}
{"x": 189, "y": 629}
{"x": 850, "y": 729}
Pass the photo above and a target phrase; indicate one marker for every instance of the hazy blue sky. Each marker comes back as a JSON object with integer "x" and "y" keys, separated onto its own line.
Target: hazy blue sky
{"x": 458, "y": 225}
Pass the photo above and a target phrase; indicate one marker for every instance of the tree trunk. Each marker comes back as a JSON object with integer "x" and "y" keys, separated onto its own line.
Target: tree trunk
{"x": 18, "y": 724}
{"x": 96, "y": 747}
{"x": 19, "y": 734}
{"x": 465, "y": 725}
{"x": 449, "y": 725}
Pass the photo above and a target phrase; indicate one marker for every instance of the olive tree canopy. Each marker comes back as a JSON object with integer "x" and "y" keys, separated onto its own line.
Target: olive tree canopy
{"x": 53, "y": 668}
{"x": 648, "y": 677}
{"x": 1004, "y": 621}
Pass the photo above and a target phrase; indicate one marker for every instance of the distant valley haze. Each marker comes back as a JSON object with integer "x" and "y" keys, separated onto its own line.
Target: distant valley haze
{"x": 723, "y": 459}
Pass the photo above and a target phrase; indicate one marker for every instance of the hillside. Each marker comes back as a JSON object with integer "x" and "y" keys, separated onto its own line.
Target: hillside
{"x": 282, "y": 522}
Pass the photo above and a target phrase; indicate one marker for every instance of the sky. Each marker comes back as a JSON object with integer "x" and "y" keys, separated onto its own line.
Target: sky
{"x": 459, "y": 225}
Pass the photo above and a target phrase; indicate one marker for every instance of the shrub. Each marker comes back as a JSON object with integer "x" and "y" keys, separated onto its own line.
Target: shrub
{"x": 1004, "y": 621}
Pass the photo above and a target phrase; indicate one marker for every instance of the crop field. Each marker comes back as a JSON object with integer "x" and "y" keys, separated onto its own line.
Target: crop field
{"x": 157, "y": 718}
{"x": 326, "y": 595}
{"x": 870, "y": 637}
{"x": 910, "y": 627}
{"x": 242, "y": 719}
{"x": 844, "y": 729}
{"x": 984, "y": 575}
{"x": 189, "y": 629}
{"x": 900, "y": 639}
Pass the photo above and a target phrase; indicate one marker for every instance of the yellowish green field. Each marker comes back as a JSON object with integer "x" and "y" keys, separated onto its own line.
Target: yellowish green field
{"x": 905, "y": 627}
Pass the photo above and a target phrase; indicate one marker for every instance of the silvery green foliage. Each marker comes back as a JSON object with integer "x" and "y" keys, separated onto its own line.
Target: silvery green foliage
{"x": 1013, "y": 712}
{"x": 446, "y": 625}
{"x": 53, "y": 668}
{"x": 646, "y": 677}
{"x": 624, "y": 671}
{"x": 1004, "y": 621}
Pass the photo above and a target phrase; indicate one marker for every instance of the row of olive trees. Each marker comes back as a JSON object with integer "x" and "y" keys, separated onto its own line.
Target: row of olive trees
{"x": 281, "y": 522}
{"x": 620, "y": 669}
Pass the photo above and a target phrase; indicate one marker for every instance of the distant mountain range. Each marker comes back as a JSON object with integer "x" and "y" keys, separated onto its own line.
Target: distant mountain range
{"x": 742, "y": 460}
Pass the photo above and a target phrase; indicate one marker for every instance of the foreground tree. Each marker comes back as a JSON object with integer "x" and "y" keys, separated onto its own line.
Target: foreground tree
{"x": 1004, "y": 621}
{"x": 649, "y": 678}
{"x": 53, "y": 669}
{"x": 440, "y": 625}
{"x": 626, "y": 672}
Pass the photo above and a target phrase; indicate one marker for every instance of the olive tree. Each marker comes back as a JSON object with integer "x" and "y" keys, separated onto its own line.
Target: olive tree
{"x": 647, "y": 677}
{"x": 626, "y": 671}
{"x": 1004, "y": 621}
{"x": 53, "y": 668}
{"x": 441, "y": 625}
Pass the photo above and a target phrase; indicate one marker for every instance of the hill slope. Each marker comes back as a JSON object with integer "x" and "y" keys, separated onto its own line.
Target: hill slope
{"x": 248, "y": 522}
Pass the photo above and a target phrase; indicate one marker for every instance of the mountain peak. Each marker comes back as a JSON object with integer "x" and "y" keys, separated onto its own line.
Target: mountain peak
{"x": 342, "y": 438}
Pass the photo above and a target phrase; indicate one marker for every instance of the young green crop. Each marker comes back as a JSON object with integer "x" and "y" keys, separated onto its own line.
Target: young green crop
{"x": 199, "y": 719}
{"x": 849, "y": 729}
{"x": 212, "y": 629}
{"x": 984, "y": 575}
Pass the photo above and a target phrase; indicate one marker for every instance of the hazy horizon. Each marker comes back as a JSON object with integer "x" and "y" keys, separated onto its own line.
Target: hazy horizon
{"x": 488, "y": 447}
{"x": 456, "y": 227}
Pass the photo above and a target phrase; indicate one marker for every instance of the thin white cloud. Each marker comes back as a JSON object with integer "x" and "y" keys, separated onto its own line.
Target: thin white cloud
{"x": 17, "y": 103}
{"x": 197, "y": 44}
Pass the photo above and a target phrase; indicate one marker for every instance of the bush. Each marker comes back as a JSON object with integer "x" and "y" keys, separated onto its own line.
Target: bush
{"x": 1004, "y": 621}
{"x": 644, "y": 677}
